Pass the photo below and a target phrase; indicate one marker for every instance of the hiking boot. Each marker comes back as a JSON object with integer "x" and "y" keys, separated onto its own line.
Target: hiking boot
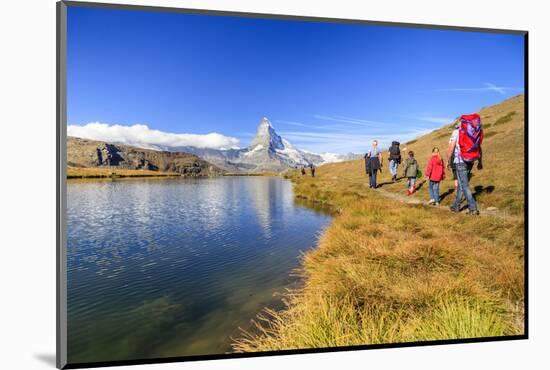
{"x": 432, "y": 201}
{"x": 453, "y": 209}
{"x": 436, "y": 204}
{"x": 473, "y": 212}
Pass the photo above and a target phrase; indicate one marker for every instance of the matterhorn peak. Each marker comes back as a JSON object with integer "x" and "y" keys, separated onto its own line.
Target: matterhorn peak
{"x": 266, "y": 137}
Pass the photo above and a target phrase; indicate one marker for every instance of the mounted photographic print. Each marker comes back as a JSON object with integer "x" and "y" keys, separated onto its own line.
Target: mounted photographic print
{"x": 234, "y": 184}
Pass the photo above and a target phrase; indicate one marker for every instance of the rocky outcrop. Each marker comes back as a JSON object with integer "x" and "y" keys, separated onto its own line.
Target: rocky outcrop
{"x": 91, "y": 153}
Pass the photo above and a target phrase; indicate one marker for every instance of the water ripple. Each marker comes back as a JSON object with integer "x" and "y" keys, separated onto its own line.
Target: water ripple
{"x": 168, "y": 260}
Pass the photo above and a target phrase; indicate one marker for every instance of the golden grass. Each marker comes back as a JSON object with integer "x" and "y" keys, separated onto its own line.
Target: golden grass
{"x": 501, "y": 182}
{"x": 95, "y": 172}
{"x": 388, "y": 272}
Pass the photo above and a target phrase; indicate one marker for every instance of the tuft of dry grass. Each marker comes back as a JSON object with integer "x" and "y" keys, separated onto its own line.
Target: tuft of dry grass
{"x": 388, "y": 272}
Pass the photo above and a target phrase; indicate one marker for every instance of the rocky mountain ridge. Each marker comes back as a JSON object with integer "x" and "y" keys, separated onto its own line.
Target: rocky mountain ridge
{"x": 267, "y": 152}
{"x": 84, "y": 153}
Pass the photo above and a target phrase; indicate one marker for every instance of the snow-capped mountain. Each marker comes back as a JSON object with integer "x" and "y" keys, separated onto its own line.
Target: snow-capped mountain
{"x": 270, "y": 152}
{"x": 267, "y": 152}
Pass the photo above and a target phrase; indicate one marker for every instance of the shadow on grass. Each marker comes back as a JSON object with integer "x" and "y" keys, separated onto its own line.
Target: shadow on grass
{"x": 384, "y": 183}
{"x": 480, "y": 189}
{"x": 419, "y": 185}
{"x": 446, "y": 194}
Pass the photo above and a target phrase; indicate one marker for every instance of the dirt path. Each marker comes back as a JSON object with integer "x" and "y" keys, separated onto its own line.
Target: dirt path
{"x": 412, "y": 200}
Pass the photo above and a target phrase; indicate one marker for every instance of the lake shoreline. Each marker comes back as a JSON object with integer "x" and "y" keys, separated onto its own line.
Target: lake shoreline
{"x": 116, "y": 173}
{"x": 388, "y": 272}
{"x": 182, "y": 262}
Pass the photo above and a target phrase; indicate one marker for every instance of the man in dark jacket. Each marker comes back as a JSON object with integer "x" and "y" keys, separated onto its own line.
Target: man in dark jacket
{"x": 367, "y": 163}
{"x": 373, "y": 163}
{"x": 394, "y": 158}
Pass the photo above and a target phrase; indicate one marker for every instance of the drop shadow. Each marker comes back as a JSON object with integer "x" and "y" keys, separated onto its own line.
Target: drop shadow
{"x": 47, "y": 358}
{"x": 480, "y": 189}
{"x": 383, "y": 183}
{"x": 446, "y": 194}
{"x": 419, "y": 185}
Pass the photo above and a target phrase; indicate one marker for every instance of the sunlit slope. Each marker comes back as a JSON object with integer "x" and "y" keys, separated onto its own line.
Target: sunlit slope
{"x": 501, "y": 182}
{"x": 386, "y": 271}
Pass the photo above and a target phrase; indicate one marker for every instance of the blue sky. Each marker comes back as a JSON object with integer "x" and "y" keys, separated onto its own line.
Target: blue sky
{"x": 325, "y": 87}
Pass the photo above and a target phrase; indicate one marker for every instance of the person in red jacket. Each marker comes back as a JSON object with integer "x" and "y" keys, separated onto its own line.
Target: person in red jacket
{"x": 435, "y": 172}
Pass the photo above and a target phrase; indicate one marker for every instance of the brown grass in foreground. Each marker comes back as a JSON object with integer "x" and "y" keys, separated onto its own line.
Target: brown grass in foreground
{"x": 388, "y": 272}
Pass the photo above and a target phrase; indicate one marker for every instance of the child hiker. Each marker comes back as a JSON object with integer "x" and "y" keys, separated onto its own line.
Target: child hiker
{"x": 435, "y": 172}
{"x": 411, "y": 171}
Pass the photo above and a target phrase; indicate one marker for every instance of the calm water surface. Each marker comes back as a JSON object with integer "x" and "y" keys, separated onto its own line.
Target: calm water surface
{"x": 172, "y": 267}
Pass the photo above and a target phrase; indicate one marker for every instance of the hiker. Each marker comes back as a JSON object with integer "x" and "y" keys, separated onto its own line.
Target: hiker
{"x": 450, "y": 162}
{"x": 312, "y": 168}
{"x": 394, "y": 158}
{"x": 367, "y": 166}
{"x": 435, "y": 172}
{"x": 303, "y": 170}
{"x": 465, "y": 149}
{"x": 373, "y": 163}
{"x": 410, "y": 172}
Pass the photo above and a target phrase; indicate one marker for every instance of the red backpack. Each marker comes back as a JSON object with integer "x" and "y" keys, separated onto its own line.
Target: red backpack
{"x": 470, "y": 137}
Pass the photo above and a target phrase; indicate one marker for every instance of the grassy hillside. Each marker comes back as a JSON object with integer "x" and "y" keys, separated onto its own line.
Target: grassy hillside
{"x": 387, "y": 271}
{"x": 499, "y": 184}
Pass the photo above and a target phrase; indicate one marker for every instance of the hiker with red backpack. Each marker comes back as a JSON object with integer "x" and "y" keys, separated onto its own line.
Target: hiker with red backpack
{"x": 465, "y": 146}
{"x": 435, "y": 172}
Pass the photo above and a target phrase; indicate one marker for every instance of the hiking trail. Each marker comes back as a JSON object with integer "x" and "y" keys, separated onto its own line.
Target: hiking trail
{"x": 412, "y": 200}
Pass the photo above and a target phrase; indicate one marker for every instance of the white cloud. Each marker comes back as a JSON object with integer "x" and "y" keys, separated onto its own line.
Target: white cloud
{"x": 433, "y": 119}
{"x": 348, "y": 120}
{"x": 348, "y": 142}
{"x": 499, "y": 89}
{"x": 348, "y": 134}
{"x": 142, "y": 135}
{"x": 502, "y": 90}
{"x": 307, "y": 125}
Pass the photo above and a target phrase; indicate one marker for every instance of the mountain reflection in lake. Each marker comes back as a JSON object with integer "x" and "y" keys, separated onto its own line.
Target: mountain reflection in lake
{"x": 172, "y": 267}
